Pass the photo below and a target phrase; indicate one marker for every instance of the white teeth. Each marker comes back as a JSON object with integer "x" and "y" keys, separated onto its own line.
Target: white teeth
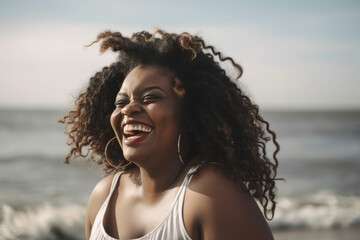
{"x": 136, "y": 127}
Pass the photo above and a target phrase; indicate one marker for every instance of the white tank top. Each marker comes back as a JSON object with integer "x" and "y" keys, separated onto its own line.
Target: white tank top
{"x": 172, "y": 227}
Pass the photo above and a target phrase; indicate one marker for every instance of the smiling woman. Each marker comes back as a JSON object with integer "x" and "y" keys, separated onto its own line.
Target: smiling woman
{"x": 147, "y": 94}
{"x": 183, "y": 147}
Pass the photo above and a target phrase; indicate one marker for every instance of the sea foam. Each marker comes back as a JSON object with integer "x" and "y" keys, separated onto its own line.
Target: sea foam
{"x": 323, "y": 210}
{"x": 44, "y": 222}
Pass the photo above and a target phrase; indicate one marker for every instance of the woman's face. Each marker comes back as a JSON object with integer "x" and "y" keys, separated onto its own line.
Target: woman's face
{"x": 148, "y": 114}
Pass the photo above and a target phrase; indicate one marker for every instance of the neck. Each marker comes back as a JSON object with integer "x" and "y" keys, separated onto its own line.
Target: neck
{"x": 158, "y": 178}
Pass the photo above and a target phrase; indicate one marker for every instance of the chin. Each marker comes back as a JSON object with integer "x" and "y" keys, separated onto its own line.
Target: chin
{"x": 134, "y": 155}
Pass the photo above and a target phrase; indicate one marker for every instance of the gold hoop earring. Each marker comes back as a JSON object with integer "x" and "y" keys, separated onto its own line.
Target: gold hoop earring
{"x": 178, "y": 147}
{"x": 106, "y": 157}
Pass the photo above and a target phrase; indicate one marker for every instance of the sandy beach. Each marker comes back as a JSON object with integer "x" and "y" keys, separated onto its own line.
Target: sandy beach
{"x": 334, "y": 234}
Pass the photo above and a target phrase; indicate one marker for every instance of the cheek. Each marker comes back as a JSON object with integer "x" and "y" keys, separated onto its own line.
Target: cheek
{"x": 167, "y": 120}
{"x": 115, "y": 120}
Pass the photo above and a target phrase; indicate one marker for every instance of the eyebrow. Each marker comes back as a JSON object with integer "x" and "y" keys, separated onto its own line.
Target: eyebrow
{"x": 142, "y": 91}
{"x": 150, "y": 88}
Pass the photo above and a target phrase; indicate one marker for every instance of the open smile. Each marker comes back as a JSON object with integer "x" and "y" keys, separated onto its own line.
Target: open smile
{"x": 134, "y": 131}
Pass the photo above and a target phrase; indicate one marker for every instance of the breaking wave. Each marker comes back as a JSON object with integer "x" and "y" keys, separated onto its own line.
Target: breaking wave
{"x": 45, "y": 222}
{"x": 323, "y": 210}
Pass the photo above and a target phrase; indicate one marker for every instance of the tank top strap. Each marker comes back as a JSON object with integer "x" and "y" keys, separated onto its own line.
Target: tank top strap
{"x": 112, "y": 188}
{"x": 97, "y": 230}
{"x": 188, "y": 177}
{"x": 193, "y": 170}
{"x": 114, "y": 182}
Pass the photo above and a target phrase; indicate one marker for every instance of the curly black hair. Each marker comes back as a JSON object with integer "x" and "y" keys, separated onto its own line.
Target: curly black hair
{"x": 224, "y": 126}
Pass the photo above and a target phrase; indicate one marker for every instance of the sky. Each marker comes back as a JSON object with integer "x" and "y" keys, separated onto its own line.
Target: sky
{"x": 296, "y": 55}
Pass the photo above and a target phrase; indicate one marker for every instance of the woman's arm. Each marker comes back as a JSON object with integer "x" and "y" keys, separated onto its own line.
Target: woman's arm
{"x": 223, "y": 210}
{"x": 97, "y": 198}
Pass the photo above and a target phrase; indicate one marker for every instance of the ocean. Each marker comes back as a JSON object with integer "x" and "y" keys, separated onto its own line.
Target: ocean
{"x": 42, "y": 198}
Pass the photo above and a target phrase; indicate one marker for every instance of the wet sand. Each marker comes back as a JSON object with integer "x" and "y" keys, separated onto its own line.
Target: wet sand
{"x": 335, "y": 234}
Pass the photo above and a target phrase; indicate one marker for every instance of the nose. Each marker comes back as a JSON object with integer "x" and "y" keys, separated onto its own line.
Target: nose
{"x": 131, "y": 108}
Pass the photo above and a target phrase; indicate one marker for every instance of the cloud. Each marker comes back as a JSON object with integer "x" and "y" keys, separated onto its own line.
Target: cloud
{"x": 45, "y": 64}
{"x": 41, "y": 65}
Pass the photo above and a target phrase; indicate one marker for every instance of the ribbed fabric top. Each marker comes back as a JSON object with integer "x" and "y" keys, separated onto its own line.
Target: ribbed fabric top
{"x": 172, "y": 227}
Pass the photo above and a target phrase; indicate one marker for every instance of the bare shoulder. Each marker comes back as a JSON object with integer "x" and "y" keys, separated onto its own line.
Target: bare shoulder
{"x": 97, "y": 198}
{"x": 221, "y": 209}
{"x": 211, "y": 179}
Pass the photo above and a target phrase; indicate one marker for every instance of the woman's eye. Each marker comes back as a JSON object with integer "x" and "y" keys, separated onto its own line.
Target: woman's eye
{"x": 150, "y": 98}
{"x": 120, "y": 103}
